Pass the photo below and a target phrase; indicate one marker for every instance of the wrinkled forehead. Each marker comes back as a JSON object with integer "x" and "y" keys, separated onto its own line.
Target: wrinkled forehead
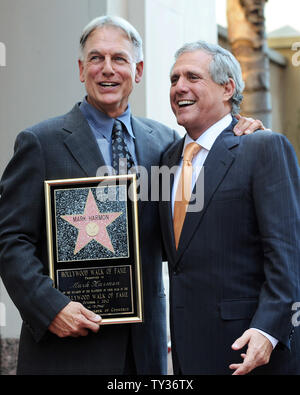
{"x": 192, "y": 61}
{"x": 111, "y": 38}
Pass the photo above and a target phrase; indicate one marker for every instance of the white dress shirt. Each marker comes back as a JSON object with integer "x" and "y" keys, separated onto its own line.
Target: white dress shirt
{"x": 206, "y": 140}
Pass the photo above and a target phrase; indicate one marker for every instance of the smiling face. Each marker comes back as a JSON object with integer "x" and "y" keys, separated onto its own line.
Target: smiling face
{"x": 108, "y": 70}
{"x": 196, "y": 100}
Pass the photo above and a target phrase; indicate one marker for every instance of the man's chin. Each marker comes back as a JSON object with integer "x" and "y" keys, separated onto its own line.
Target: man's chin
{"x": 181, "y": 121}
{"x": 109, "y": 105}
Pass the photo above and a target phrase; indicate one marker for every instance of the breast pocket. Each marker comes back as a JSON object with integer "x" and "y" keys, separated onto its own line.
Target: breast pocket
{"x": 238, "y": 309}
{"x": 228, "y": 194}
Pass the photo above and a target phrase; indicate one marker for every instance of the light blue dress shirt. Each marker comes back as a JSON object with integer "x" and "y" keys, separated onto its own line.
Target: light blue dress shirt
{"x": 102, "y": 125}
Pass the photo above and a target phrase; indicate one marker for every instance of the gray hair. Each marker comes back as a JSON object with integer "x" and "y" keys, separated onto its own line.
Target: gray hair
{"x": 117, "y": 22}
{"x": 222, "y": 67}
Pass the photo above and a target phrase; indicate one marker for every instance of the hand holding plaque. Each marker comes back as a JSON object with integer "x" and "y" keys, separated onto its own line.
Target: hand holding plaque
{"x": 75, "y": 320}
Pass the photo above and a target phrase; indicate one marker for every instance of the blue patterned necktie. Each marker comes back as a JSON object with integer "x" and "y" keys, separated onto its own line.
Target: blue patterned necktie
{"x": 122, "y": 160}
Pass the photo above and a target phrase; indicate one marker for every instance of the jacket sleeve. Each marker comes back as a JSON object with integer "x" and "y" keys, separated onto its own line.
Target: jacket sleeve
{"x": 23, "y": 254}
{"x": 276, "y": 192}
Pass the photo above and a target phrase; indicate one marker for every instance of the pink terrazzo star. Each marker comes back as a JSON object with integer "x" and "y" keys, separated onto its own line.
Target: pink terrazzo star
{"x": 92, "y": 225}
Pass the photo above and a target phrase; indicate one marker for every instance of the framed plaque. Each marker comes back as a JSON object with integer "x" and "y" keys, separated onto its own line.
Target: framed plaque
{"x": 93, "y": 245}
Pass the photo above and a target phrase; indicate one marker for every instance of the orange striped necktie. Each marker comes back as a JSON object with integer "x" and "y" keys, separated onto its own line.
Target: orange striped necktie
{"x": 184, "y": 189}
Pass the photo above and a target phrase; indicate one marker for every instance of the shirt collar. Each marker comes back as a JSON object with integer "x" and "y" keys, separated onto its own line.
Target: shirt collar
{"x": 207, "y": 139}
{"x": 102, "y": 123}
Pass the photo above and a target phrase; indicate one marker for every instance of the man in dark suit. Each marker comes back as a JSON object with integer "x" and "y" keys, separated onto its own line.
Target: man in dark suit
{"x": 59, "y": 336}
{"x": 233, "y": 263}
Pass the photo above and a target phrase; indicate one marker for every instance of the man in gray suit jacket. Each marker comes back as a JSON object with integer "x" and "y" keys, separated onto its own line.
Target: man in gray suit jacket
{"x": 59, "y": 336}
{"x": 234, "y": 264}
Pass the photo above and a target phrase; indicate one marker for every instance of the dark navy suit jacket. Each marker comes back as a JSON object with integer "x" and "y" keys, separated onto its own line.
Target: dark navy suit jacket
{"x": 63, "y": 148}
{"x": 237, "y": 264}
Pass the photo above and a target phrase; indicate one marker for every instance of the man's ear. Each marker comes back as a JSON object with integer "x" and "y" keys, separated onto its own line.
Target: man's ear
{"x": 229, "y": 89}
{"x": 81, "y": 70}
{"x": 139, "y": 71}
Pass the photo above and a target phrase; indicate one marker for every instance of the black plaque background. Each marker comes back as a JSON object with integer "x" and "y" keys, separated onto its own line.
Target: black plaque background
{"x": 132, "y": 260}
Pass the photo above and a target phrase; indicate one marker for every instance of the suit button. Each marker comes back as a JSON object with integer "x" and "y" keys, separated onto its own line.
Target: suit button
{"x": 176, "y": 272}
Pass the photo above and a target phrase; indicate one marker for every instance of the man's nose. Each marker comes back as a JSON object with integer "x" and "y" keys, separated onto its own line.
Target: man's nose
{"x": 181, "y": 86}
{"x": 107, "y": 67}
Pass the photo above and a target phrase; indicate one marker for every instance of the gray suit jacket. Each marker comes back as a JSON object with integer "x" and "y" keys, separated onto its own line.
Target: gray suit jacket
{"x": 63, "y": 148}
{"x": 237, "y": 264}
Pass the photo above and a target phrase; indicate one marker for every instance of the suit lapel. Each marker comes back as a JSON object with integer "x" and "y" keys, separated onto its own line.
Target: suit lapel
{"x": 216, "y": 166}
{"x": 82, "y": 143}
{"x": 146, "y": 145}
{"x": 171, "y": 160}
{"x": 148, "y": 153}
